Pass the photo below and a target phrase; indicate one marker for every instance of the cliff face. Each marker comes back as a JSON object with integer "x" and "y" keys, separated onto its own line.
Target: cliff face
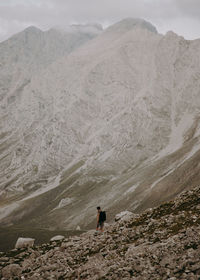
{"x": 161, "y": 243}
{"x": 114, "y": 123}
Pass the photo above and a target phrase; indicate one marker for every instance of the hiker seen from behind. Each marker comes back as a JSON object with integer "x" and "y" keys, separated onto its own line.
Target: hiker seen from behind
{"x": 101, "y": 218}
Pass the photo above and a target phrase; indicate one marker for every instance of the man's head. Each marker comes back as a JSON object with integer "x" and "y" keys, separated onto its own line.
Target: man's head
{"x": 98, "y": 208}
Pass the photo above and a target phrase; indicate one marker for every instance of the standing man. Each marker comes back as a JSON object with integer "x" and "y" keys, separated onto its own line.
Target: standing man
{"x": 101, "y": 217}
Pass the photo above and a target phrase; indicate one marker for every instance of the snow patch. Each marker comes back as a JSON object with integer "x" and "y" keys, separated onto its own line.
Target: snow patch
{"x": 64, "y": 202}
{"x": 131, "y": 189}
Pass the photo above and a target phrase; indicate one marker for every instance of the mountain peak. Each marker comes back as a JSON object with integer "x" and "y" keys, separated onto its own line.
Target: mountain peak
{"x": 33, "y": 29}
{"x": 130, "y": 23}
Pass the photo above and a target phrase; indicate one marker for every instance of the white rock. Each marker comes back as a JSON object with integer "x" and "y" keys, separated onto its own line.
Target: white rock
{"x": 78, "y": 228}
{"x": 123, "y": 216}
{"x": 57, "y": 238}
{"x": 24, "y": 242}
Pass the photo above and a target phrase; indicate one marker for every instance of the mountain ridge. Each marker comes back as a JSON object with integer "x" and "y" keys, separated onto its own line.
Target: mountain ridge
{"x": 128, "y": 24}
{"x": 101, "y": 128}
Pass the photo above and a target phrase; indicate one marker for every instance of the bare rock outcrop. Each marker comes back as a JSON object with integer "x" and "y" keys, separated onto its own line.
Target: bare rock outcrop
{"x": 113, "y": 116}
{"x": 11, "y": 271}
{"x": 24, "y": 242}
{"x": 161, "y": 243}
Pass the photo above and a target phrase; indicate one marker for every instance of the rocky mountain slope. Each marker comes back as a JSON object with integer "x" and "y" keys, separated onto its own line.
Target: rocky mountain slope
{"x": 32, "y": 50}
{"x": 161, "y": 243}
{"x": 114, "y": 123}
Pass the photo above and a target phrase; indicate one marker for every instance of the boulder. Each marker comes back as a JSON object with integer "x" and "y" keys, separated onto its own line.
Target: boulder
{"x": 24, "y": 242}
{"x": 11, "y": 270}
{"x": 94, "y": 268}
{"x": 136, "y": 250}
{"x": 89, "y": 233}
{"x": 123, "y": 216}
{"x": 57, "y": 238}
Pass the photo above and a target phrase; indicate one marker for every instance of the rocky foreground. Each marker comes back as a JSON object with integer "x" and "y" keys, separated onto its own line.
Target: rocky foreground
{"x": 160, "y": 243}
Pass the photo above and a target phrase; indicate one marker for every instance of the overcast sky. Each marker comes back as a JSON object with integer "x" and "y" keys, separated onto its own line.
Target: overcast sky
{"x": 181, "y": 16}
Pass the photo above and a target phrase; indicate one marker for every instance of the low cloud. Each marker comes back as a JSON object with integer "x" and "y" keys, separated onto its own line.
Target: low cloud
{"x": 181, "y": 16}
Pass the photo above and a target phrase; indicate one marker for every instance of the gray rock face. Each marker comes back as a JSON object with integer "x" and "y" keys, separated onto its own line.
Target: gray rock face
{"x": 160, "y": 243}
{"x": 27, "y": 53}
{"x": 115, "y": 121}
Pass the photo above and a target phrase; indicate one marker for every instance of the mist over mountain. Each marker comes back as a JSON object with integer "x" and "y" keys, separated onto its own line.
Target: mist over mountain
{"x": 128, "y": 24}
{"x": 91, "y": 117}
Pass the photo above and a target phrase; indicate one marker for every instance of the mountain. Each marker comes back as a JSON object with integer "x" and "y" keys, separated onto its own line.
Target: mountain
{"x": 114, "y": 123}
{"x": 32, "y": 50}
{"x": 21, "y": 57}
{"x": 130, "y": 23}
{"x": 160, "y": 243}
